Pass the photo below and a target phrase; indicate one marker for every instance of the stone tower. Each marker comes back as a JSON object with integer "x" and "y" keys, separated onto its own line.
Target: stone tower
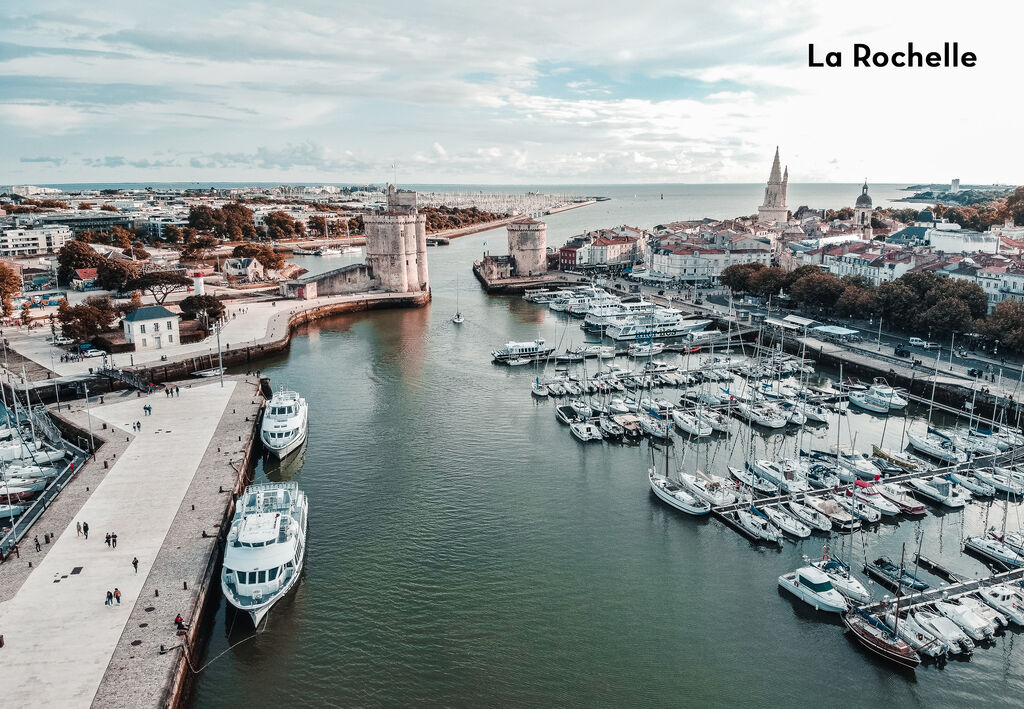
{"x": 862, "y": 211}
{"x": 528, "y": 247}
{"x": 774, "y": 208}
{"x": 396, "y": 244}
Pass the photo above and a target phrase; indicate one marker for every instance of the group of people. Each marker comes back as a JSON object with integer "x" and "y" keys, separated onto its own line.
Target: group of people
{"x": 172, "y": 391}
{"x": 111, "y": 540}
{"x": 69, "y": 357}
{"x": 113, "y": 596}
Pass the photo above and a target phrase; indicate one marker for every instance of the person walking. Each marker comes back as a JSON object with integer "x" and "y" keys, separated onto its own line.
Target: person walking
{"x": 113, "y": 540}
{"x": 78, "y": 529}
{"x": 107, "y": 540}
{"x": 177, "y": 391}
{"x": 110, "y": 598}
{"x": 36, "y": 540}
{"x": 135, "y": 563}
{"x": 138, "y": 425}
{"x": 117, "y": 595}
{"x": 85, "y": 529}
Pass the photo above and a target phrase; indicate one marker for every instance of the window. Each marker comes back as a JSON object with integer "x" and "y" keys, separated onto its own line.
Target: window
{"x": 143, "y": 341}
{"x": 170, "y": 338}
{"x": 142, "y": 328}
{"x": 262, "y": 577}
{"x": 169, "y": 327}
{"x": 252, "y": 577}
{"x": 273, "y": 573}
{"x": 156, "y": 327}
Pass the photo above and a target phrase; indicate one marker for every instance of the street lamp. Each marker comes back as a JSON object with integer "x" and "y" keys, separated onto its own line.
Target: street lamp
{"x": 952, "y": 339}
{"x": 88, "y": 411}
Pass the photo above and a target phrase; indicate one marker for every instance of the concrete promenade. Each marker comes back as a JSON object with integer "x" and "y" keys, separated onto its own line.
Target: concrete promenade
{"x": 59, "y": 635}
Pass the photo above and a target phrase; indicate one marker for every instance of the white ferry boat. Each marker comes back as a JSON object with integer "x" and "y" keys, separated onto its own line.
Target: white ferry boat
{"x": 600, "y": 316}
{"x": 285, "y": 421}
{"x": 266, "y": 546}
{"x": 663, "y": 322}
{"x": 522, "y": 352}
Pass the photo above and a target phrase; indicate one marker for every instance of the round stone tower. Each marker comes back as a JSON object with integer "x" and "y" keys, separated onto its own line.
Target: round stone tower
{"x": 528, "y": 247}
{"x": 396, "y": 244}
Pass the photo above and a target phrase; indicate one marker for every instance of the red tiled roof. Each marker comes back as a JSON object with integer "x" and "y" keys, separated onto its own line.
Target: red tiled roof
{"x": 85, "y": 274}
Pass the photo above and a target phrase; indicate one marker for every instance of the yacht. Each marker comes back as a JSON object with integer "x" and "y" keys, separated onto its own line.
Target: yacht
{"x": 976, "y": 627}
{"x": 782, "y": 475}
{"x": 787, "y": 522}
{"x": 757, "y": 526}
{"x": 945, "y": 630}
{"x": 872, "y": 496}
{"x": 966, "y": 479}
{"x": 601, "y": 315}
{"x": 515, "y": 351}
{"x": 893, "y": 576}
{"x": 836, "y": 514}
{"x": 754, "y": 482}
{"x": 842, "y": 578}
{"x": 942, "y": 491}
{"x": 1001, "y": 481}
{"x": 1004, "y": 598}
{"x": 916, "y": 635}
{"x": 810, "y": 516}
{"x": 857, "y": 507}
{"x": 900, "y": 496}
{"x": 265, "y": 547}
{"x": 854, "y": 461}
{"x": 938, "y": 447}
{"x": 814, "y": 587}
{"x": 762, "y": 414}
{"x": 645, "y": 349}
{"x": 714, "y": 489}
{"x": 673, "y": 495}
{"x": 285, "y": 422}
{"x": 995, "y": 550}
{"x": 689, "y": 423}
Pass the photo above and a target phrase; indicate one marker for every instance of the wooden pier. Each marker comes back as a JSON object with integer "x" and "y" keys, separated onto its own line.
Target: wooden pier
{"x": 947, "y": 592}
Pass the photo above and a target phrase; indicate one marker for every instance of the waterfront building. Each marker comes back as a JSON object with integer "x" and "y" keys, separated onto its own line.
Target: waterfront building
{"x": 79, "y": 222}
{"x": 774, "y": 209}
{"x": 32, "y": 241}
{"x": 396, "y": 244}
{"x": 152, "y": 327}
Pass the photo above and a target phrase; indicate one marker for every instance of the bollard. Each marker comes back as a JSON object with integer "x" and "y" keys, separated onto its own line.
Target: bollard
{"x": 157, "y": 592}
{"x": 204, "y": 534}
{"x": 184, "y": 585}
{"x": 1, "y": 640}
{"x": 104, "y": 427}
{"x": 104, "y": 465}
{"x": 30, "y": 564}
{"x": 239, "y": 438}
{"x": 218, "y": 449}
{"x": 46, "y": 539}
{"x": 220, "y": 489}
{"x": 193, "y": 508}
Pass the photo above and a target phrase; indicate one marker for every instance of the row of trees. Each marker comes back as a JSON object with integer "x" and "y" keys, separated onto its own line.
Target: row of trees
{"x": 920, "y": 303}
{"x": 444, "y": 218}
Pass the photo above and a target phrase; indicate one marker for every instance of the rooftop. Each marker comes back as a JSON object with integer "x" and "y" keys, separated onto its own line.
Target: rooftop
{"x": 150, "y": 312}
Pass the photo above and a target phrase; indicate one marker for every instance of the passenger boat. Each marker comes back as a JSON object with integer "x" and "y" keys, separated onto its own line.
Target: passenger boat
{"x": 938, "y": 447}
{"x": 265, "y": 547}
{"x": 754, "y": 482}
{"x": 814, "y": 587}
{"x": 786, "y": 522}
{"x": 888, "y": 573}
{"x": 899, "y": 496}
{"x": 285, "y": 423}
{"x": 876, "y": 637}
{"x": 941, "y": 491}
{"x": 585, "y": 432}
{"x": 529, "y": 351}
{"x": 675, "y": 496}
{"x": 599, "y": 317}
{"x": 842, "y": 578}
{"x": 662, "y": 323}
{"x": 951, "y": 634}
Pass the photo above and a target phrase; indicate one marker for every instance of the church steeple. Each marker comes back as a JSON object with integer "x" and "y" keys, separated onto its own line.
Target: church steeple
{"x": 774, "y": 208}
{"x": 776, "y": 175}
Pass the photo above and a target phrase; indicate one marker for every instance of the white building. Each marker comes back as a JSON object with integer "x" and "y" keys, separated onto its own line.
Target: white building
{"x": 30, "y": 242}
{"x": 151, "y": 328}
{"x": 694, "y": 264}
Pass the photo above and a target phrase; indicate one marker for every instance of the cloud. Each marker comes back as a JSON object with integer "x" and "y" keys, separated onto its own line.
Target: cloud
{"x": 106, "y": 161}
{"x": 56, "y": 162}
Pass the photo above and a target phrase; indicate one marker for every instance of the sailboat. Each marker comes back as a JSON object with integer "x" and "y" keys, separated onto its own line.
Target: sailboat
{"x": 457, "y": 318}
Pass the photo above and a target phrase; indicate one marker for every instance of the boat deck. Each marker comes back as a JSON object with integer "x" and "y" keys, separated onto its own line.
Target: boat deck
{"x": 954, "y": 590}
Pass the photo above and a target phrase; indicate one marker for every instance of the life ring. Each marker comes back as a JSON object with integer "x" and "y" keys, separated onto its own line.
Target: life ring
{"x": 920, "y": 636}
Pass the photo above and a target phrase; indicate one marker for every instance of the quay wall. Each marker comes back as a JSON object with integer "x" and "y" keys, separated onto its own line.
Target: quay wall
{"x": 518, "y": 286}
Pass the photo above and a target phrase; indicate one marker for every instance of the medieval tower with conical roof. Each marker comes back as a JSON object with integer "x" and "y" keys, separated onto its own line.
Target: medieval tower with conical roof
{"x": 774, "y": 208}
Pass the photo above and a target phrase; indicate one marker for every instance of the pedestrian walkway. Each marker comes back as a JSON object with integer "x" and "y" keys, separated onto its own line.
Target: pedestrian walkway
{"x": 59, "y": 636}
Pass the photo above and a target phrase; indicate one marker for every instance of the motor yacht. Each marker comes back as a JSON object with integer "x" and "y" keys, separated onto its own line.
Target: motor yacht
{"x": 916, "y": 635}
{"x": 842, "y": 578}
{"x": 1005, "y": 599}
{"x": 900, "y": 496}
{"x": 585, "y": 432}
{"x": 869, "y": 494}
{"x": 955, "y": 639}
{"x": 285, "y": 423}
{"x": 941, "y": 491}
{"x": 976, "y": 627}
{"x": 814, "y": 587}
{"x": 265, "y": 547}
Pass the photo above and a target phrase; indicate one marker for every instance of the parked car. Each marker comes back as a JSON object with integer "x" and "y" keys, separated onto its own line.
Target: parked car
{"x": 974, "y": 372}
{"x": 902, "y": 351}
{"x": 95, "y": 353}
{"x": 61, "y": 340}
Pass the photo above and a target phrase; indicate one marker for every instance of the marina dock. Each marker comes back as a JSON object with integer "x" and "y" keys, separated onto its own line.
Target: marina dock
{"x": 166, "y": 491}
{"x": 954, "y": 590}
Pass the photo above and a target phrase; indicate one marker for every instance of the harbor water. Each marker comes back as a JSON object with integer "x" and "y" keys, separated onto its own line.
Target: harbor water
{"x": 465, "y": 550}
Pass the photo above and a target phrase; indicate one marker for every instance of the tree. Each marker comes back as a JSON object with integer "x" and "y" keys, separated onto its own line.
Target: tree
{"x": 798, "y": 273}
{"x": 971, "y": 294}
{"x": 10, "y": 286}
{"x": 843, "y": 214}
{"x": 114, "y": 274}
{"x": 737, "y": 277}
{"x": 203, "y": 218}
{"x": 234, "y": 218}
{"x": 196, "y": 248}
{"x": 861, "y": 282}
{"x": 279, "y": 225}
{"x": 1006, "y": 324}
{"x": 766, "y": 281}
{"x": 1013, "y": 207}
{"x": 317, "y": 224}
{"x": 897, "y": 303}
{"x": 946, "y": 316}
{"x": 84, "y": 206}
{"x": 856, "y": 302}
{"x": 203, "y": 307}
{"x": 108, "y": 208}
{"x": 121, "y": 238}
{"x": 920, "y": 281}
{"x": 817, "y": 289}
{"x": 172, "y": 234}
{"x": 160, "y": 284}
{"x": 85, "y": 321}
{"x": 73, "y": 256}
{"x": 26, "y": 312}
{"x": 268, "y": 258}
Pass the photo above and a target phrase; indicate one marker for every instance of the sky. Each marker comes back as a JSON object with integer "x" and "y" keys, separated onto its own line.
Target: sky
{"x": 512, "y": 93}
